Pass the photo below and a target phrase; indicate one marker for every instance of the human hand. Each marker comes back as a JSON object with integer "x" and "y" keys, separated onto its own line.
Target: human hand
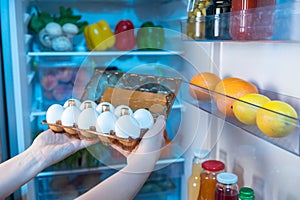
{"x": 54, "y": 147}
{"x": 143, "y": 158}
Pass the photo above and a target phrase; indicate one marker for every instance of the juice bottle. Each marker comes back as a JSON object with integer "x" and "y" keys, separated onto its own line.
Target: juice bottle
{"x": 227, "y": 188}
{"x": 246, "y": 193}
{"x": 208, "y": 179}
{"x": 194, "y": 179}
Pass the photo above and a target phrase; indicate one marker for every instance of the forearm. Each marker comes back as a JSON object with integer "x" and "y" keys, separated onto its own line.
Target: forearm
{"x": 19, "y": 170}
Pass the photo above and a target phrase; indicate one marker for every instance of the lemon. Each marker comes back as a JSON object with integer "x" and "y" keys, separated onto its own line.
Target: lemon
{"x": 277, "y": 119}
{"x": 245, "y": 108}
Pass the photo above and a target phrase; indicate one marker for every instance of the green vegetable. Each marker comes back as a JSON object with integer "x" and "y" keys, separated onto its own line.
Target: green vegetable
{"x": 39, "y": 21}
{"x": 150, "y": 37}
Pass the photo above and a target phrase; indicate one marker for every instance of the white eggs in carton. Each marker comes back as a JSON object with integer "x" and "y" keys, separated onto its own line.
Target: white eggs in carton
{"x": 87, "y": 120}
{"x": 105, "y": 106}
{"x": 144, "y": 117}
{"x": 88, "y": 104}
{"x": 123, "y": 110}
{"x": 106, "y": 122}
{"x": 72, "y": 101}
{"x": 127, "y": 126}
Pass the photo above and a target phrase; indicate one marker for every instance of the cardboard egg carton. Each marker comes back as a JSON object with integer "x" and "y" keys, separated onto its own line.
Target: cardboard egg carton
{"x": 154, "y": 93}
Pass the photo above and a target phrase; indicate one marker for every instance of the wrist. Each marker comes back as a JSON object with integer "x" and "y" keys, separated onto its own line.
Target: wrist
{"x": 37, "y": 158}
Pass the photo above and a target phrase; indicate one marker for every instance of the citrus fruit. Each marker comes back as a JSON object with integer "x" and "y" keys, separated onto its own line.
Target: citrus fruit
{"x": 205, "y": 81}
{"x": 245, "y": 108}
{"x": 277, "y": 119}
{"x": 230, "y": 89}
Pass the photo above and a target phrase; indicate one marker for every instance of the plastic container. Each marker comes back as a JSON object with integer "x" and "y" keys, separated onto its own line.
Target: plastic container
{"x": 194, "y": 179}
{"x": 227, "y": 188}
{"x": 208, "y": 182}
{"x": 56, "y": 84}
{"x": 246, "y": 193}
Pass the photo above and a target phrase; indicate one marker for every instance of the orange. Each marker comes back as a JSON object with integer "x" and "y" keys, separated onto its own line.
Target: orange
{"x": 206, "y": 82}
{"x": 230, "y": 89}
{"x": 277, "y": 119}
{"x": 245, "y": 108}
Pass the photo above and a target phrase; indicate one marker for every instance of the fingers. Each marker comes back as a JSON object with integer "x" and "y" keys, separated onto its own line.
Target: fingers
{"x": 157, "y": 128}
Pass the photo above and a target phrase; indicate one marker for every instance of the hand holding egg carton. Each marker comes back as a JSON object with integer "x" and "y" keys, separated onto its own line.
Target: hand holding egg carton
{"x": 87, "y": 120}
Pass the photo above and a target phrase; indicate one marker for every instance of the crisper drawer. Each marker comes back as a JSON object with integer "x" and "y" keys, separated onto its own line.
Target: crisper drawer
{"x": 163, "y": 183}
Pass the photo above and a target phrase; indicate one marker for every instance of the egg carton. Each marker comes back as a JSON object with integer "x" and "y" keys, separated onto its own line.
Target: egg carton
{"x": 154, "y": 93}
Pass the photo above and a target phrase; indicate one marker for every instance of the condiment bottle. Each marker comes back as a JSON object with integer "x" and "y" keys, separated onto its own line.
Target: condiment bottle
{"x": 227, "y": 188}
{"x": 208, "y": 179}
{"x": 196, "y": 19}
{"x": 241, "y": 19}
{"x": 194, "y": 179}
{"x": 217, "y": 25}
{"x": 246, "y": 193}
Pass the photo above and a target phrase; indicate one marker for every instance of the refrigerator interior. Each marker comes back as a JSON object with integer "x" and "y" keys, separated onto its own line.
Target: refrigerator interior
{"x": 28, "y": 72}
{"x": 265, "y": 165}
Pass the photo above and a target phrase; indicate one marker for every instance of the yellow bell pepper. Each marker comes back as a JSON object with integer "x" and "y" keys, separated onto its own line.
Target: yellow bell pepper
{"x": 99, "y": 36}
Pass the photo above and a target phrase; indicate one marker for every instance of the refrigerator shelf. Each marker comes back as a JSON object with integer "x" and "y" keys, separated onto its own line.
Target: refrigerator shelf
{"x": 105, "y": 53}
{"x": 290, "y": 142}
{"x": 276, "y": 23}
{"x": 160, "y": 163}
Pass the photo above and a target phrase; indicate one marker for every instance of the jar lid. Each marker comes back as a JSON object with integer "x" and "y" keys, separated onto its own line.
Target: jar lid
{"x": 213, "y": 165}
{"x": 201, "y": 153}
{"x": 227, "y": 178}
{"x": 246, "y": 193}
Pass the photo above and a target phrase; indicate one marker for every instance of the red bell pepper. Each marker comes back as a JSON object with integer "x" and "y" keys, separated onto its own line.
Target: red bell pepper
{"x": 124, "y": 32}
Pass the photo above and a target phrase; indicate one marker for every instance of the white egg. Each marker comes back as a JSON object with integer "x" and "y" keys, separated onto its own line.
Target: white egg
{"x": 54, "y": 113}
{"x": 88, "y": 104}
{"x": 122, "y": 110}
{"x": 127, "y": 126}
{"x": 70, "y": 102}
{"x": 106, "y": 122}
{"x": 87, "y": 118}
{"x": 144, "y": 117}
{"x": 70, "y": 116}
{"x": 105, "y": 106}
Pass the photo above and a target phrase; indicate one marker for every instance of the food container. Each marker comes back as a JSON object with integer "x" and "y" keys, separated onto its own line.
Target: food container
{"x": 137, "y": 91}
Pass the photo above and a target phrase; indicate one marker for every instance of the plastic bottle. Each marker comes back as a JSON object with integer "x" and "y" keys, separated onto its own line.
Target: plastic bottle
{"x": 246, "y": 193}
{"x": 227, "y": 188}
{"x": 216, "y": 23}
{"x": 208, "y": 180}
{"x": 194, "y": 179}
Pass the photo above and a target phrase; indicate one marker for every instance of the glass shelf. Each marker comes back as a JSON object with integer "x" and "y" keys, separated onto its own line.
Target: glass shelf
{"x": 105, "y": 53}
{"x": 278, "y": 23}
{"x": 289, "y": 143}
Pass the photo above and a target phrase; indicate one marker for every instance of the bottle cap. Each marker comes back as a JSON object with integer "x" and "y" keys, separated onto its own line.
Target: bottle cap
{"x": 201, "y": 153}
{"x": 213, "y": 165}
{"x": 246, "y": 193}
{"x": 227, "y": 178}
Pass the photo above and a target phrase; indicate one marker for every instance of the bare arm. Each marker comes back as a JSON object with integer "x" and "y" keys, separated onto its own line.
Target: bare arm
{"x": 126, "y": 183}
{"x": 47, "y": 149}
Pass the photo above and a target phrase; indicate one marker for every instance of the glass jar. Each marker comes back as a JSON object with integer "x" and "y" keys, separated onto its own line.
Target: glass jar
{"x": 227, "y": 188}
{"x": 208, "y": 182}
{"x": 194, "y": 180}
{"x": 246, "y": 193}
{"x": 196, "y": 19}
{"x": 217, "y": 25}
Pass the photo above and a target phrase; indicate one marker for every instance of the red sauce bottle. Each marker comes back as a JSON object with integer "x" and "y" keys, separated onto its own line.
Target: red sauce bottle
{"x": 227, "y": 188}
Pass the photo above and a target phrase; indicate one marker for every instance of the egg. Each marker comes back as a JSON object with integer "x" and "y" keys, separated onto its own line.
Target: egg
{"x": 87, "y": 119}
{"x": 105, "y": 106}
{"x": 122, "y": 110}
{"x": 144, "y": 117}
{"x": 88, "y": 104}
{"x": 106, "y": 122}
{"x": 70, "y": 116}
{"x": 71, "y": 102}
{"x": 54, "y": 113}
{"x": 127, "y": 126}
